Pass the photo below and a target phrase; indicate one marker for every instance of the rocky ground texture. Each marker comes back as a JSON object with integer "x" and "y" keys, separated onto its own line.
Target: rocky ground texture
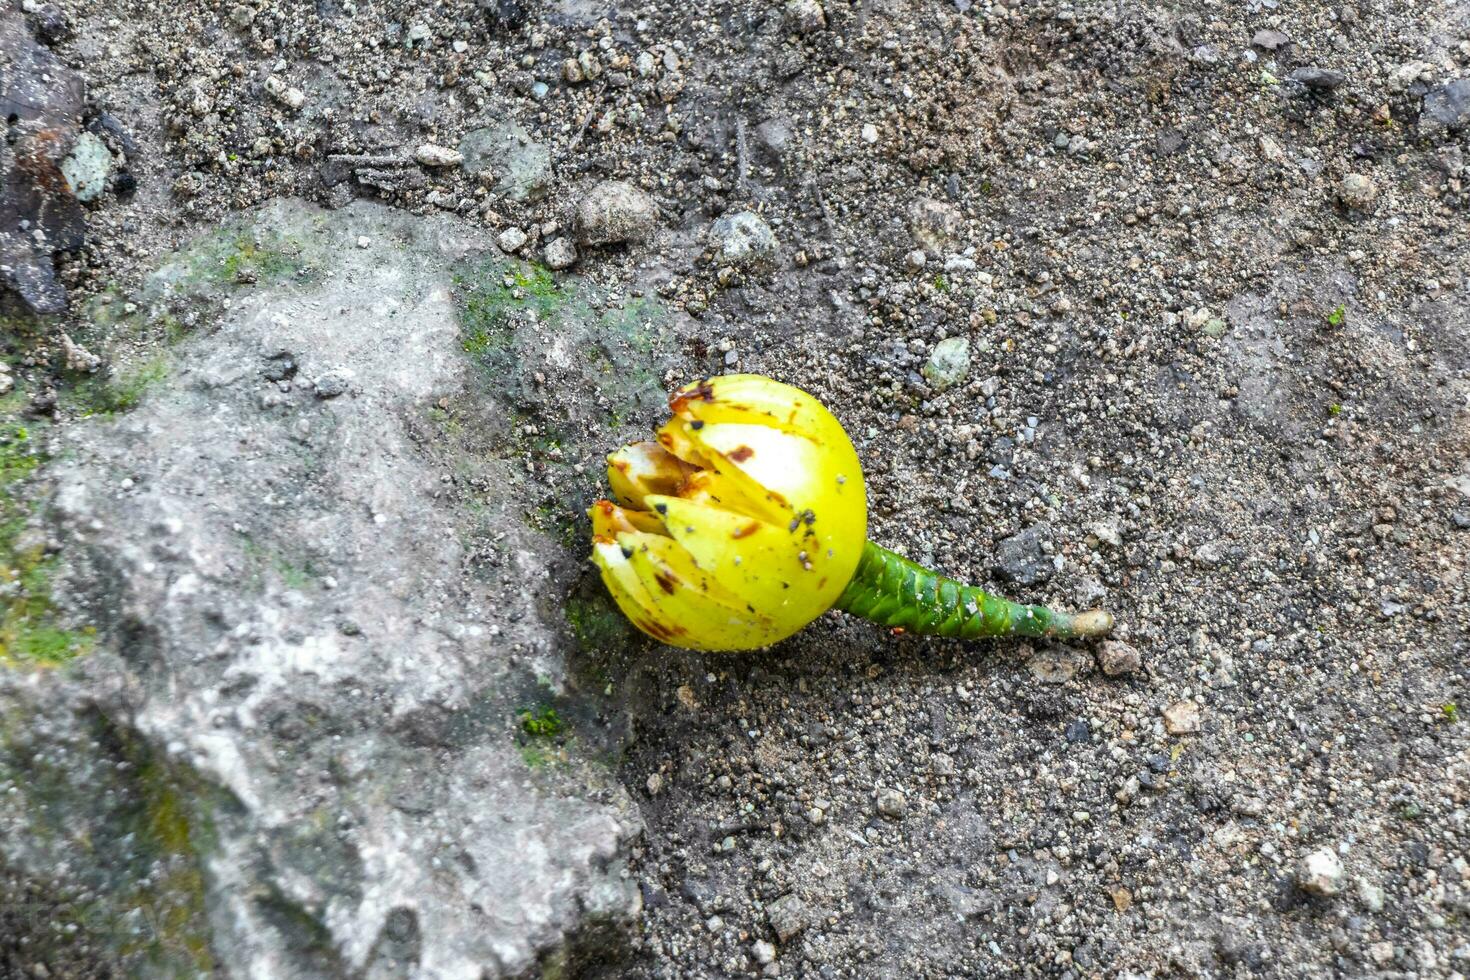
{"x": 324, "y": 314}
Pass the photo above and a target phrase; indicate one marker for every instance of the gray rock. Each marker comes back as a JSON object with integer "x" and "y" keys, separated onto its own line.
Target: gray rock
{"x": 744, "y": 240}
{"x": 948, "y": 363}
{"x": 788, "y": 917}
{"x": 1447, "y": 106}
{"x": 512, "y": 239}
{"x": 934, "y": 224}
{"x": 615, "y": 211}
{"x": 561, "y": 253}
{"x": 1022, "y": 558}
{"x": 287, "y": 95}
{"x": 43, "y": 99}
{"x": 774, "y": 136}
{"x": 330, "y": 385}
{"x": 1317, "y": 79}
{"x": 1182, "y": 718}
{"x": 521, "y": 166}
{"x": 293, "y": 796}
{"x": 1056, "y": 666}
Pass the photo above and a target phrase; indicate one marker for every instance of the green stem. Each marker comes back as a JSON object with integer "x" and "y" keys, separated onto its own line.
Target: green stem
{"x": 893, "y": 591}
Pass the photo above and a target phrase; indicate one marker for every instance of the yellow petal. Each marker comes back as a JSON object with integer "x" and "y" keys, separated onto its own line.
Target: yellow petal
{"x": 628, "y": 591}
{"x": 758, "y": 400}
{"x": 712, "y": 617}
{"x": 755, "y": 560}
{"x": 643, "y": 468}
{"x": 676, "y": 442}
{"x": 608, "y": 519}
{"x": 729, "y": 489}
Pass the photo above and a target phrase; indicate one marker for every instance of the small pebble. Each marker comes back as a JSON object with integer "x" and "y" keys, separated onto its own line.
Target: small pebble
{"x": 330, "y": 386}
{"x": 1182, "y": 718}
{"x": 1117, "y": 659}
{"x": 891, "y": 804}
{"x": 805, "y": 16}
{"x": 291, "y": 98}
{"x": 948, "y": 364}
{"x": 615, "y": 211}
{"x": 1320, "y": 872}
{"x": 433, "y": 155}
{"x": 560, "y": 254}
{"x": 512, "y": 240}
{"x": 1358, "y": 191}
{"x": 788, "y": 917}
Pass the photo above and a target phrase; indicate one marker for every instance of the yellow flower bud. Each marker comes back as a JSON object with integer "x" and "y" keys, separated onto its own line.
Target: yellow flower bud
{"x": 744, "y": 521}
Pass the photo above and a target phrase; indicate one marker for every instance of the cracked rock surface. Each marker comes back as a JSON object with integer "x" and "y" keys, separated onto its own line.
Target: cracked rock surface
{"x": 314, "y": 672}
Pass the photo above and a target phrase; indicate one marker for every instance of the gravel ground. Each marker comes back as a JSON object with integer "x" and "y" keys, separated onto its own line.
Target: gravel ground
{"x": 1156, "y": 306}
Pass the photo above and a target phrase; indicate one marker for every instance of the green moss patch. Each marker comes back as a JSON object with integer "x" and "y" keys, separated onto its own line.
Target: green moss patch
{"x": 117, "y": 391}
{"x": 30, "y": 633}
{"x": 488, "y": 291}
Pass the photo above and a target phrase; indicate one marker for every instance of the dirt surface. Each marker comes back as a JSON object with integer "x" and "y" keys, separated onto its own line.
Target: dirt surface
{"x": 1209, "y": 267}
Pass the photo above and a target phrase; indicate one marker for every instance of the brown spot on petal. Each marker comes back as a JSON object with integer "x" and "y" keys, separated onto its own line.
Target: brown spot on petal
{"x": 679, "y": 400}
{"x": 664, "y": 582}
{"x": 665, "y": 633}
{"x": 741, "y": 454}
{"x": 747, "y": 530}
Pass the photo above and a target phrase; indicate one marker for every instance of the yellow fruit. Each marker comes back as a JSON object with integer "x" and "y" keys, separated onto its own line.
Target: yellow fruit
{"x": 741, "y": 524}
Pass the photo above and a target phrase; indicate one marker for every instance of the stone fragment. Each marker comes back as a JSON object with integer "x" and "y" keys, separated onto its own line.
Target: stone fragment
{"x": 290, "y": 97}
{"x": 744, "y": 240}
{"x": 433, "y": 155}
{"x": 293, "y": 649}
{"x": 1317, "y": 79}
{"x": 87, "y": 167}
{"x": 788, "y": 916}
{"x": 1117, "y": 659}
{"x": 1320, "y": 872}
{"x": 41, "y": 99}
{"x": 891, "y": 804}
{"x": 1056, "y": 666}
{"x": 805, "y": 16}
{"x": 520, "y": 166}
{"x": 1270, "y": 40}
{"x": 615, "y": 211}
{"x": 1022, "y": 558}
{"x": 934, "y": 224}
{"x": 1447, "y": 106}
{"x": 512, "y": 240}
{"x": 1358, "y": 191}
{"x": 948, "y": 363}
{"x": 1182, "y": 718}
{"x": 560, "y": 254}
